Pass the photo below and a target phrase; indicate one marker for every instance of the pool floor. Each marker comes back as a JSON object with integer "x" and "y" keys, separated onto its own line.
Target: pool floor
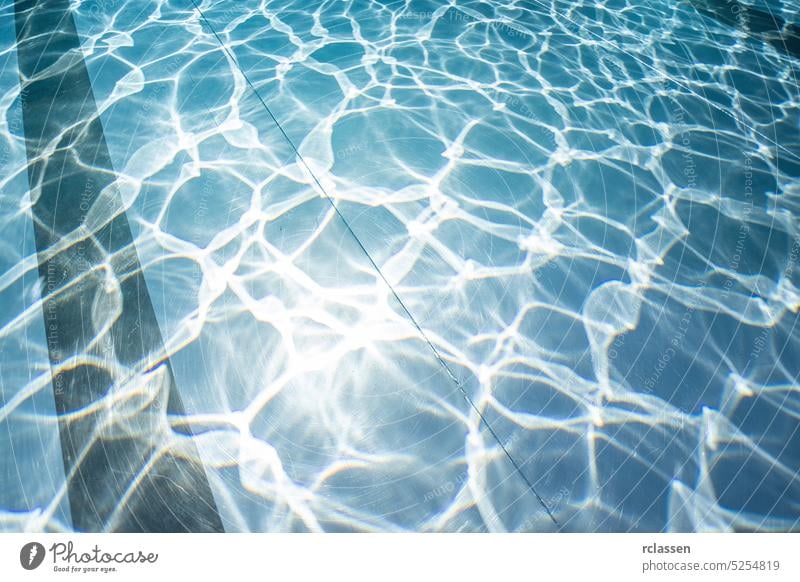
{"x": 399, "y": 266}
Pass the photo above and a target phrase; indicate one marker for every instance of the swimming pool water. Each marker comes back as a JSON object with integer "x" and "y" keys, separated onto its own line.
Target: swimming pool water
{"x": 581, "y": 214}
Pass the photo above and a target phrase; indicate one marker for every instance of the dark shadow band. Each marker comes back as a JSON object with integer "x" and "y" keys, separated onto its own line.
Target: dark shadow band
{"x": 758, "y": 24}
{"x": 113, "y": 385}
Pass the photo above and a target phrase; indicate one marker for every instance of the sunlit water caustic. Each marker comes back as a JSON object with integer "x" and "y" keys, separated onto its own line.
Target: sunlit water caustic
{"x": 399, "y": 266}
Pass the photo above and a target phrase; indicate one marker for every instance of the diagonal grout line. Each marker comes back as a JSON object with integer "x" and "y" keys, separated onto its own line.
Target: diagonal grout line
{"x": 378, "y": 270}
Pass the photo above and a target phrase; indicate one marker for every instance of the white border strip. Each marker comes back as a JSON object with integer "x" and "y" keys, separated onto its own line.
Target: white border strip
{"x": 403, "y": 557}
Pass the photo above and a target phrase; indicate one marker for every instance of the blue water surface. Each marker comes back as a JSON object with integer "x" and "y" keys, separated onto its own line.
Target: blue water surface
{"x": 589, "y": 210}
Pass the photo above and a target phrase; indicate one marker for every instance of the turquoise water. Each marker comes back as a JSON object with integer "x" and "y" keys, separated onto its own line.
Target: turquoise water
{"x": 588, "y": 210}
